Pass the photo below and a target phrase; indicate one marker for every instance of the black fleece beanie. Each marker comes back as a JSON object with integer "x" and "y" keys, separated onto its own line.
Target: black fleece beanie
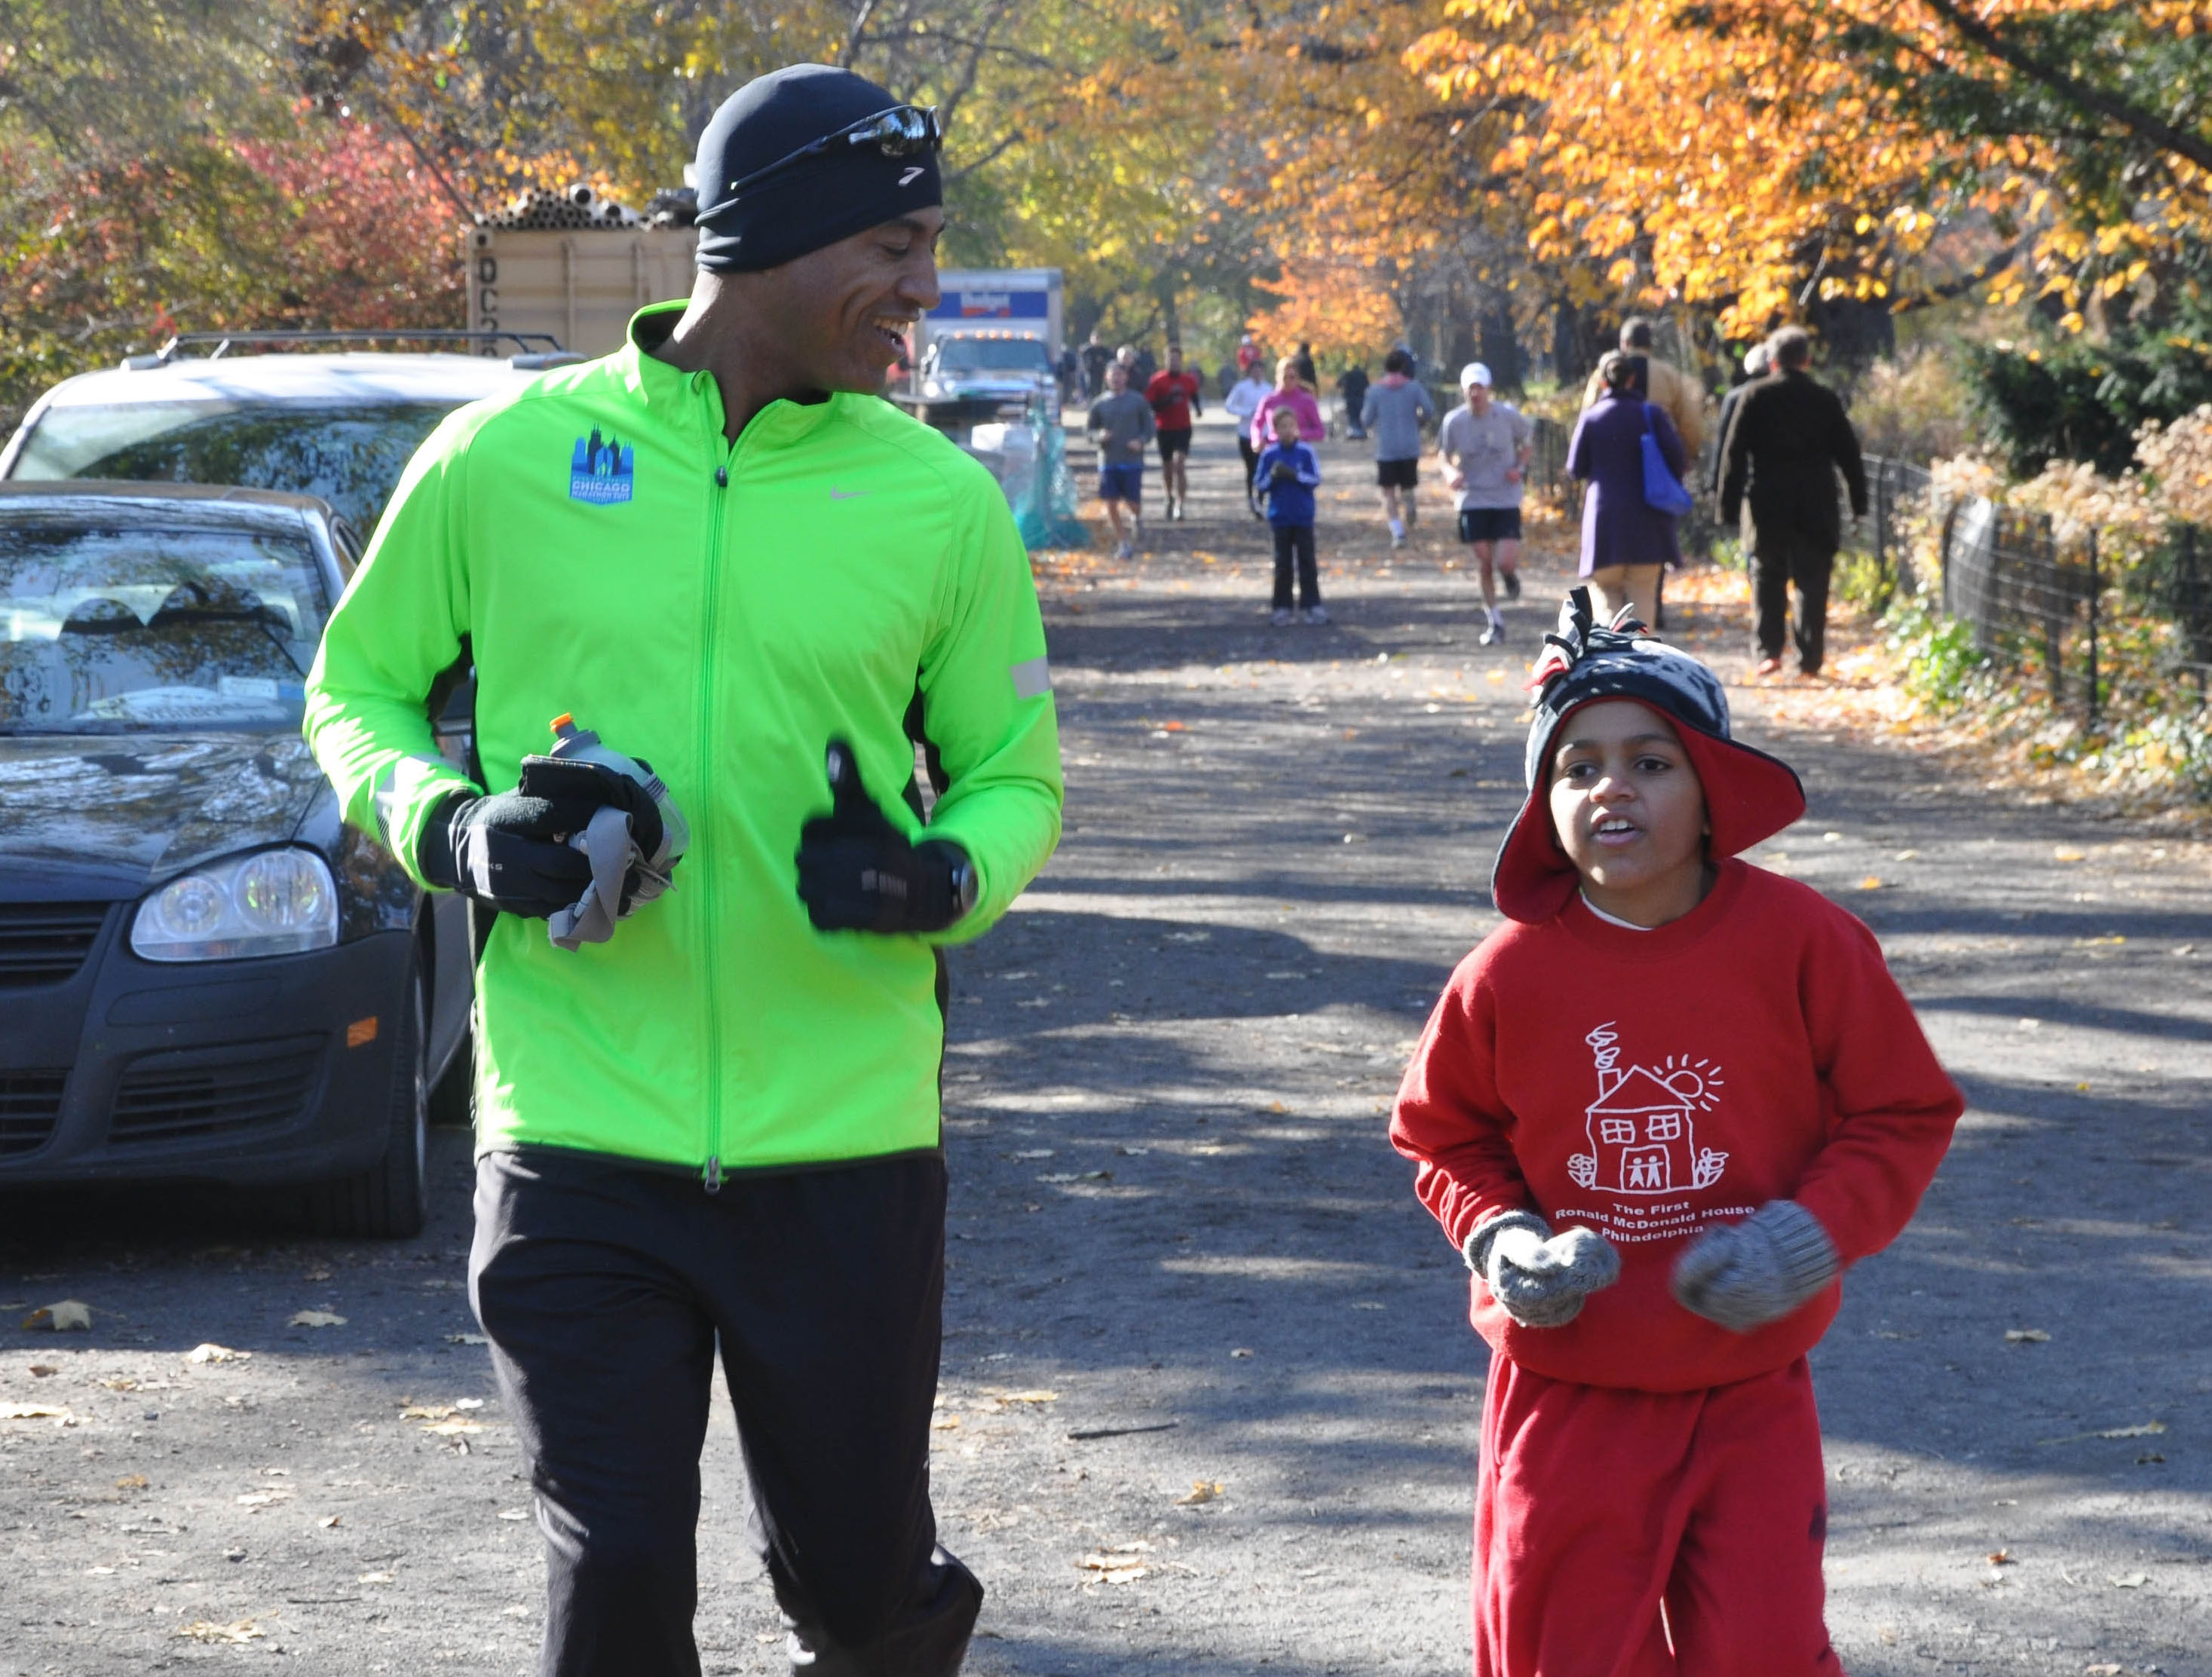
{"x": 818, "y": 201}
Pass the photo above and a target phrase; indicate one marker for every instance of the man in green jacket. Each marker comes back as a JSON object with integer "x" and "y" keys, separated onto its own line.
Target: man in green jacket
{"x": 719, "y": 550}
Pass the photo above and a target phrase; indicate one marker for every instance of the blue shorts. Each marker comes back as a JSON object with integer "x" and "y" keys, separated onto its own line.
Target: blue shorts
{"x": 1122, "y": 483}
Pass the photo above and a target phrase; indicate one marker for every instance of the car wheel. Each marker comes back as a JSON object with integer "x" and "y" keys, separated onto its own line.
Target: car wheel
{"x": 391, "y": 1201}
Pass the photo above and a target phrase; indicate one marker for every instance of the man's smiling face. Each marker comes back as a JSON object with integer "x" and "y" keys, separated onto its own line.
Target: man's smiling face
{"x": 840, "y": 313}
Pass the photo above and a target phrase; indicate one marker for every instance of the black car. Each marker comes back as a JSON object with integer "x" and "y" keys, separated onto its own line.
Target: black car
{"x": 205, "y": 974}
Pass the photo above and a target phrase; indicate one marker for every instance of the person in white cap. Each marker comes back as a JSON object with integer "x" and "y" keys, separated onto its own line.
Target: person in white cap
{"x": 1485, "y": 445}
{"x": 1758, "y": 362}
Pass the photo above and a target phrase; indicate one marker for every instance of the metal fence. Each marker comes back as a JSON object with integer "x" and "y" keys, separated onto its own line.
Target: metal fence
{"x": 2047, "y": 606}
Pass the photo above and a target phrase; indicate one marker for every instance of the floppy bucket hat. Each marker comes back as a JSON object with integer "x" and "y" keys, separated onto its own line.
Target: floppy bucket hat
{"x": 1749, "y": 795}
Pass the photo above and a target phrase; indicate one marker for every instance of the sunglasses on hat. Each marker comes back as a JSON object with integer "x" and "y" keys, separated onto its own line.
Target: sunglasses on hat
{"x": 902, "y": 131}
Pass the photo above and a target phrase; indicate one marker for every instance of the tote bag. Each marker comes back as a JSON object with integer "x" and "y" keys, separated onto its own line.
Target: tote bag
{"x": 1662, "y": 490}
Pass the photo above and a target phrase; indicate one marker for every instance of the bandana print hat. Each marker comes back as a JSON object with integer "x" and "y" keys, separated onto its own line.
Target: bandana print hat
{"x": 1749, "y": 795}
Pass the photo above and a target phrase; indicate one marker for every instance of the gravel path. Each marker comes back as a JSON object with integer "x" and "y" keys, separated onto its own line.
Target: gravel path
{"x": 1209, "y": 1397}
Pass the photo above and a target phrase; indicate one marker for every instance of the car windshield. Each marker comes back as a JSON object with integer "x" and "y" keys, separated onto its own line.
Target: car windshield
{"x": 350, "y": 456}
{"x": 116, "y": 630}
{"x": 991, "y": 356}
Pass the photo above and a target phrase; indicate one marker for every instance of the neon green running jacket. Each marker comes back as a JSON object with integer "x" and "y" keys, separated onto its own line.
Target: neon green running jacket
{"x": 720, "y": 611}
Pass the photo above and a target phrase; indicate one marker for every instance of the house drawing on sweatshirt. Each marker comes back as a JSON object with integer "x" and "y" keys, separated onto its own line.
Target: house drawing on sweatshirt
{"x": 1642, "y": 1128}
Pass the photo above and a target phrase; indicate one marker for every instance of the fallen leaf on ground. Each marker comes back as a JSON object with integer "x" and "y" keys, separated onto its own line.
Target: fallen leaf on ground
{"x": 466, "y": 1339}
{"x": 30, "y": 1411}
{"x": 2000, "y": 1558}
{"x": 40, "y": 1370}
{"x": 65, "y": 1316}
{"x": 329, "y": 1521}
{"x": 1871, "y": 882}
{"x": 2066, "y": 853}
{"x": 316, "y": 1319}
{"x": 1119, "y": 1565}
{"x": 204, "y": 1630}
{"x": 2145, "y": 1430}
{"x": 131, "y": 1482}
{"x": 513, "y": 1514}
{"x": 1240, "y": 1352}
{"x": 215, "y": 1354}
{"x": 1202, "y": 1491}
{"x": 426, "y": 1412}
{"x": 452, "y": 1429}
{"x": 944, "y": 1424}
{"x": 468, "y": 1403}
{"x": 1033, "y": 1395}
{"x": 2027, "y": 1336}
{"x": 373, "y": 1578}
{"x": 2100, "y": 1671}
{"x": 264, "y": 1499}
{"x": 2129, "y": 1580}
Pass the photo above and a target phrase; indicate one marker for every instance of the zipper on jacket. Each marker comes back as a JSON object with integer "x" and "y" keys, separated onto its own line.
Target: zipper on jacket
{"x": 711, "y": 1176}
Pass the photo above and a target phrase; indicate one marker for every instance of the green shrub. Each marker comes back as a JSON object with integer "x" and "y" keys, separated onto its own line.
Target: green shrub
{"x": 1942, "y": 667}
{"x": 2073, "y": 399}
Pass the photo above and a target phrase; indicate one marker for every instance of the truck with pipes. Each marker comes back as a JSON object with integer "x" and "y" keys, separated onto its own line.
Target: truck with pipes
{"x": 575, "y": 264}
{"x": 991, "y": 343}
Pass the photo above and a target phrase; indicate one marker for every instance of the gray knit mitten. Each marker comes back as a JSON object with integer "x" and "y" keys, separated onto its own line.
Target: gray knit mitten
{"x": 1541, "y": 1279}
{"x": 1744, "y": 1275}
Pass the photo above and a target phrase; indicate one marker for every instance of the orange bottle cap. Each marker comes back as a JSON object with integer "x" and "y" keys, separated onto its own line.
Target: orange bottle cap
{"x": 562, "y": 721}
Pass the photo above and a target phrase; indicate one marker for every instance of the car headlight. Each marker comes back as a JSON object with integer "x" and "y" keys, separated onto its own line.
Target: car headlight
{"x": 272, "y": 903}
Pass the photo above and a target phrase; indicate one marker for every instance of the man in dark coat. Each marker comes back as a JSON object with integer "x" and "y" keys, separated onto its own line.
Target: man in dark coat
{"x": 1786, "y": 441}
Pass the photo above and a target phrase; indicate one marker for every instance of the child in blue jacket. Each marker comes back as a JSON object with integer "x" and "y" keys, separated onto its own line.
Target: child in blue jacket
{"x": 1287, "y": 473}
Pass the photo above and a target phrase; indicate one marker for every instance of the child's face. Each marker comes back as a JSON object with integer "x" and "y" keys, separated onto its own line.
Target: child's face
{"x": 1286, "y": 426}
{"x": 1629, "y": 811}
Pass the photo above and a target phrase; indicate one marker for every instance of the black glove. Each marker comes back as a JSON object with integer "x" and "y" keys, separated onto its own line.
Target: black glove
{"x": 511, "y": 850}
{"x": 1284, "y": 472}
{"x": 572, "y": 782}
{"x": 858, "y": 872}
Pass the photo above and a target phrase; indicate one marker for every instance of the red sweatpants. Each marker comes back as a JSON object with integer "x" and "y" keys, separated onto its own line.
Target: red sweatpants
{"x": 1594, "y": 1505}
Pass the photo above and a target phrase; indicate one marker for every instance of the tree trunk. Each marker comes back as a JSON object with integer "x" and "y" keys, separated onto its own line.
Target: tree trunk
{"x": 1501, "y": 347}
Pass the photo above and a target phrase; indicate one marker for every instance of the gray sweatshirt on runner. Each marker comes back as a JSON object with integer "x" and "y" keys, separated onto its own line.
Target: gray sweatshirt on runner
{"x": 1122, "y": 424}
{"x": 1394, "y": 412}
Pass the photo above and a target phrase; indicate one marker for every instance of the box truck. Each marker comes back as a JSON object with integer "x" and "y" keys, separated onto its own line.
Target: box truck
{"x": 991, "y": 343}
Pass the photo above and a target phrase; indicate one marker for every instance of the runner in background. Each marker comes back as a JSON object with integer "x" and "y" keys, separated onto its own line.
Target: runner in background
{"x": 1121, "y": 425}
{"x": 1395, "y": 411}
{"x": 1486, "y": 445}
{"x": 1096, "y": 358}
{"x": 1291, "y": 394}
{"x": 1351, "y": 385}
{"x": 1174, "y": 394}
{"x": 1242, "y": 405}
{"x": 1248, "y": 357}
{"x": 1307, "y": 374}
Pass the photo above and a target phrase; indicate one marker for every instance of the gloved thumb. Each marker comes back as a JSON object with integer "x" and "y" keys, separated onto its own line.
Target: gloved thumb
{"x": 1704, "y": 1261}
{"x": 847, "y": 796}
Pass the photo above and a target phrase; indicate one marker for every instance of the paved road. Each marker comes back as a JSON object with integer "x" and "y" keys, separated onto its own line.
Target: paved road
{"x": 1174, "y": 1211}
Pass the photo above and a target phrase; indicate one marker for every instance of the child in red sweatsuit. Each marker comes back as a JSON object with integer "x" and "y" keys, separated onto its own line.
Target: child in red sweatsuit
{"x": 1659, "y": 1111}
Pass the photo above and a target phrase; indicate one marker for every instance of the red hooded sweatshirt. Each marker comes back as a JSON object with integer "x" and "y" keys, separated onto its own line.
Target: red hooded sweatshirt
{"x": 1648, "y": 1084}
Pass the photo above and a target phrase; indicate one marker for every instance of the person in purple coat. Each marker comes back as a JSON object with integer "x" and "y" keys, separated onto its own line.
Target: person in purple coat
{"x": 1625, "y": 541}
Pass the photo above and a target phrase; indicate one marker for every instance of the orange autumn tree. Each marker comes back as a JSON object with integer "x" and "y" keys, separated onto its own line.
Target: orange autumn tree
{"x": 1747, "y": 160}
{"x": 1340, "y": 308}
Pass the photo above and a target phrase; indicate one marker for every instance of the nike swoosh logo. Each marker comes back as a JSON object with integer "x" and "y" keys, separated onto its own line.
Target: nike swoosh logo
{"x": 846, "y": 494}
{"x": 912, "y": 175}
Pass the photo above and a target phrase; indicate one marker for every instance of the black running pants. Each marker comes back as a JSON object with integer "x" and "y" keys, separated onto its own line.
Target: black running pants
{"x": 1294, "y": 543}
{"x": 604, "y": 1288}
